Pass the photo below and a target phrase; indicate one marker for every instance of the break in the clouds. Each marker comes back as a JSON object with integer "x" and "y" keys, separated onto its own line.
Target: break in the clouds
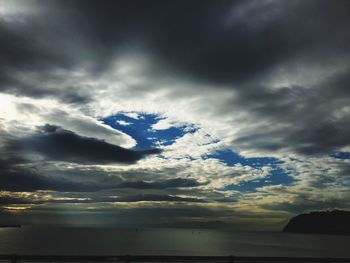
{"x": 212, "y": 111}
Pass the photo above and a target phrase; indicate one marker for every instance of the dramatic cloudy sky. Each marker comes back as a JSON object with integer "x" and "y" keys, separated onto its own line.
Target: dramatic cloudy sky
{"x": 173, "y": 113}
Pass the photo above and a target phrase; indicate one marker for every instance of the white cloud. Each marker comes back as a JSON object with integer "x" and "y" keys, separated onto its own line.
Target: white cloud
{"x": 22, "y": 115}
{"x": 123, "y": 123}
{"x": 133, "y": 115}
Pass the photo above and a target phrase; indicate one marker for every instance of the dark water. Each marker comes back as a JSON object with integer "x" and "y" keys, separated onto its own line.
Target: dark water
{"x": 112, "y": 241}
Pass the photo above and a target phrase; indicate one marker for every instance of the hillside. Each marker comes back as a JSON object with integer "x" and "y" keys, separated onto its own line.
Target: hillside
{"x": 335, "y": 222}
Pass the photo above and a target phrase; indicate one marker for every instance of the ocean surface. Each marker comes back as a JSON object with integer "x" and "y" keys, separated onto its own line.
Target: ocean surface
{"x": 163, "y": 241}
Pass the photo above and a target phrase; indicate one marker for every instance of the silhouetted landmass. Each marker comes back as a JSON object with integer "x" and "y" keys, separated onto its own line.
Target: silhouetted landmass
{"x": 335, "y": 222}
{"x": 10, "y": 225}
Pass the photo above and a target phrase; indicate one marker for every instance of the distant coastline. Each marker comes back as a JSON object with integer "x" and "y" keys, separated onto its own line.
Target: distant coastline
{"x": 10, "y": 225}
{"x": 336, "y": 222}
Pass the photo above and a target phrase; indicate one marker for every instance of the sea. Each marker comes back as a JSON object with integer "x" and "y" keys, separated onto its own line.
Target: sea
{"x": 167, "y": 241}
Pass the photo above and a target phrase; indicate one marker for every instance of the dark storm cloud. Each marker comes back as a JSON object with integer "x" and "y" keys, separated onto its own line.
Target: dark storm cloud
{"x": 172, "y": 183}
{"x": 22, "y": 51}
{"x": 310, "y": 118}
{"x": 18, "y": 172}
{"x": 14, "y": 178}
{"x": 58, "y": 144}
{"x": 9, "y": 200}
{"x": 151, "y": 197}
{"x": 221, "y": 41}
{"x": 234, "y": 43}
{"x": 18, "y": 175}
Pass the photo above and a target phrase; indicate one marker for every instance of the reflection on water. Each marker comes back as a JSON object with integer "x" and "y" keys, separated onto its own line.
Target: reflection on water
{"x": 109, "y": 241}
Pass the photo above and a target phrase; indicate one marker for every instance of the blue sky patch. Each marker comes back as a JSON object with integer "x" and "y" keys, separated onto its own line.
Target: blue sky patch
{"x": 231, "y": 158}
{"x": 341, "y": 155}
{"x": 277, "y": 175}
{"x": 141, "y": 130}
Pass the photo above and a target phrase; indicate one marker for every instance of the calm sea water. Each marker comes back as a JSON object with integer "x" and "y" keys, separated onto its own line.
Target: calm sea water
{"x": 108, "y": 241}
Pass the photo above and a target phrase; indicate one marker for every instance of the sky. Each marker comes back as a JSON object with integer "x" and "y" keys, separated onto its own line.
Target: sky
{"x": 196, "y": 113}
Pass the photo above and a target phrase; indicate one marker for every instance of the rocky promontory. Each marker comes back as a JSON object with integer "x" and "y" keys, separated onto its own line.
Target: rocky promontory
{"x": 335, "y": 222}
